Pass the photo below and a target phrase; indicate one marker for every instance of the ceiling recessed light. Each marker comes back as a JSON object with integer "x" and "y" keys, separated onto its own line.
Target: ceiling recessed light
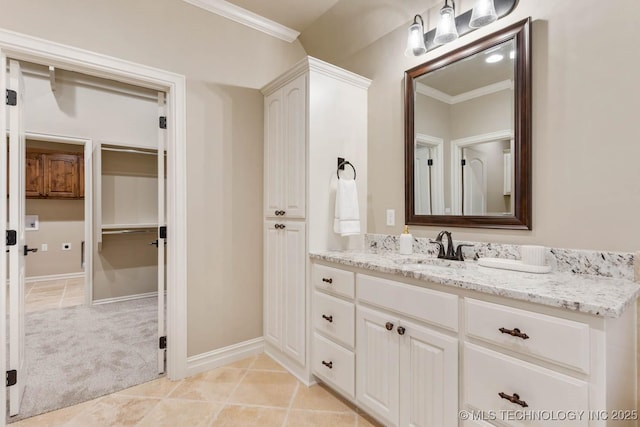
{"x": 496, "y": 57}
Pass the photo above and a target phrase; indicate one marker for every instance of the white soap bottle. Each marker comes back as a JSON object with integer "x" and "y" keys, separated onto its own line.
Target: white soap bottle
{"x": 406, "y": 242}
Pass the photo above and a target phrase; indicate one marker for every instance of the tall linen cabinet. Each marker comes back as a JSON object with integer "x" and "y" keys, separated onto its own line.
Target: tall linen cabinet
{"x": 313, "y": 114}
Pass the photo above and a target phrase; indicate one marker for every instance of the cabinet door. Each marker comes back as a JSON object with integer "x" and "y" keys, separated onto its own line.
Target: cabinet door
{"x": 273, "y": 155}
{"x": 81, "y": 177}
{"x": 34, "y": 179}
{"x": 295, "y": 147}
{"x": 377, "y": 363}
{"x": 272, "y": 284}
{"x": 61, "y": 175}
{"x": 428, "y": 377}
{"x": 293, "y": 289}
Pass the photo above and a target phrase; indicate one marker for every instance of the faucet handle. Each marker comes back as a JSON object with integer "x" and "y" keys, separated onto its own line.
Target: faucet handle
{"x": 459, "y": 255}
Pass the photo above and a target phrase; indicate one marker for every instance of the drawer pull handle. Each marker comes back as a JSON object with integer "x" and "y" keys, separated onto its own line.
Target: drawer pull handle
{"x": 389, "y": 326}
{"x": 328, "y": 364}
{"x": 329, "y": 281}
{"x": 401, "y": 330}
{"x": 327, "y": 318}
{"x": 513, "y": 399}
{"x": 514, "y": 333}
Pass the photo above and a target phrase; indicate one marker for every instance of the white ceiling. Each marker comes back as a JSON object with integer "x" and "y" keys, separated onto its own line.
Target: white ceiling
{"x": 295, "y": 14}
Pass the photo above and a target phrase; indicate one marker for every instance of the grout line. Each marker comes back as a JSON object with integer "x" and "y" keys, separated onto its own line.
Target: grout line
{"x": 293, "y": 397}
{"x": 226, "y": 402}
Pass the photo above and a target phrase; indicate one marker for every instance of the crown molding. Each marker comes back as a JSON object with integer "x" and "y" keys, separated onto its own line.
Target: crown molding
{"x": 246, "y": 17}
{"x": 423, "y": 89}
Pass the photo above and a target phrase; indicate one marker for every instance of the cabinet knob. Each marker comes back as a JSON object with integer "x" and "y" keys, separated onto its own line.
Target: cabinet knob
{"x": 515, "y": 332}
{"x": 328, "y": 364}
{"x": 329, "y": 280}
{"x": 513, "y": 399}
{"x": 389, "y": 326}
{"x": 279, "y": 213}
{"x": 327, "y": 318}
{"x": 401, "y": 330}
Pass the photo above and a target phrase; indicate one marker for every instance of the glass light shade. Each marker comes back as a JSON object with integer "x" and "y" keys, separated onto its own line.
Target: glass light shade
{"x": 484, "y": 13}
{"x": 415, "y": 40}
{"x": 446, "y": 31}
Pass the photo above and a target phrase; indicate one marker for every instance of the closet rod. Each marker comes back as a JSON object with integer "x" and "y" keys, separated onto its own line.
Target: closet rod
{"x": 129, "y": 150}
{"x": 128, "y": 231}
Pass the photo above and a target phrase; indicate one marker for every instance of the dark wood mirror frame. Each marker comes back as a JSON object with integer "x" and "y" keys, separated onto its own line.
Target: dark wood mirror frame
{"x": 520, "y": 33}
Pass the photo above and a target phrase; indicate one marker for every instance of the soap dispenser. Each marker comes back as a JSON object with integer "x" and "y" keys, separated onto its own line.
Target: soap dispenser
{"x": 406, "y": 242}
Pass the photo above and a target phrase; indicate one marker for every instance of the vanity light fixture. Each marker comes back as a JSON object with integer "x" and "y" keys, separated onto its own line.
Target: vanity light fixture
{"x": 415, "y": 39}
{"x": 484, "y": 13}
{"x": 450, "y": 26}
{"x": 446, "y": 31}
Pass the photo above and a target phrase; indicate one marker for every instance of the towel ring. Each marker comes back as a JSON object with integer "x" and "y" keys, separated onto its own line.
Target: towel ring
{"x": 344, "y": 164}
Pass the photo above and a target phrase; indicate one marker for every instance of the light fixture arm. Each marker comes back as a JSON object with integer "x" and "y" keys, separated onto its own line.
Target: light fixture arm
{"x": 415, "y": 20}
{"x": 503, "y": 8}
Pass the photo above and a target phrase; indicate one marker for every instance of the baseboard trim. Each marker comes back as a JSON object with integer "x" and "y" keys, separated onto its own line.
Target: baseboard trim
{"x": 125, "y": 298}
{"x": 223, "y": 356}
{"x": 54, "y": 277}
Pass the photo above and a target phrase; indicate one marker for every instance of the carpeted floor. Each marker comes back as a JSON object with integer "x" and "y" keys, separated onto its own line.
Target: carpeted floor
{"x": 79, "y": 353}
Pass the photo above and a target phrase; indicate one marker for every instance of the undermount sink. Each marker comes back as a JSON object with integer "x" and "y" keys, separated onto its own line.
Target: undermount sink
{"x": 434, "y": 262}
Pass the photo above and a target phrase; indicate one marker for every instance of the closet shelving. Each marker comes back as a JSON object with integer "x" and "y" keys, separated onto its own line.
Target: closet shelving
{"x": 128, "y": 191}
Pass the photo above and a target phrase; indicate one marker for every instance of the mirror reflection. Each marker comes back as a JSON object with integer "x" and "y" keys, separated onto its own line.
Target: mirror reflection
{"x": 464, "y": 117}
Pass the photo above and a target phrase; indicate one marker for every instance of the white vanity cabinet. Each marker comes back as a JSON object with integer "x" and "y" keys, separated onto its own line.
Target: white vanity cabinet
{"x": 406, "y": 372}
{"x": 423, "y": 353}
{"x": 333, "y": 320}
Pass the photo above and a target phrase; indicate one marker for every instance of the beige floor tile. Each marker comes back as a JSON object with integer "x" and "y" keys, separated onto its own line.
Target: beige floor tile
{"x": 76, "y": 281}
{"x": 55, "y": 418}
{"x": 244, "y": 416}
{"x": 264, "y": 362}
{"x": 70, "y": 302}
{"x": 158, "y": 388}
{"x": 265, "y": 388}
{"x": 172, "y": 413}
{"x": 244, "y": 363}
{"x": 114, "y": 410}
{"x": 299, "y": 418}
{"x": 214, "y": 385}
{"x": 318, "y": 398}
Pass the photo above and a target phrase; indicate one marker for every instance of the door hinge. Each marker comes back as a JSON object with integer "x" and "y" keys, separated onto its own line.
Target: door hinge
{"x": 163, "y": 122}
{"x": 163, "y": 343}
{"x": 12, "y": 377}
{"x": 11, "y": 238}
{"x": 12, "y": 97}
{"x": 463, "y": 162}
{"x": 162, "y": 232}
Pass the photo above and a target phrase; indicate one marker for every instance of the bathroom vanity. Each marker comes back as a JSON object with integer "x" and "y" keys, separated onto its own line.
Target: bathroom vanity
{"x": 419, "y": 341}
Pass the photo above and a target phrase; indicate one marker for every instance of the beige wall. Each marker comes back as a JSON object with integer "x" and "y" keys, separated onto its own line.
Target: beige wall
{"x": 224, "y": 63}
{"x": 585, "y": 140}
{"x": 61, "y": 221}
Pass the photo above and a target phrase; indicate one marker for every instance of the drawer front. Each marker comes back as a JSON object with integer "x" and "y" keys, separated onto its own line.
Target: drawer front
{"x": 333, "y": 280}
{"x": 550, "y": 338}
{"x": 487, "y": 374}
{"x": 435, "y": 307}
{"x": 334, "y": 317}
{"x": 334, "y": 365}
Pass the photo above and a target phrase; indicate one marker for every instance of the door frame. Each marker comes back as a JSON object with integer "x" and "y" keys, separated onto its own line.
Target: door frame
{"x": 88, "y": 200}
{"x": 22, "y": 47}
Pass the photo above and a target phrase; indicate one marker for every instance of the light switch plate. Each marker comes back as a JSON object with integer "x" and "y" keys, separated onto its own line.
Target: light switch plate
{"x": 391, "y": 217}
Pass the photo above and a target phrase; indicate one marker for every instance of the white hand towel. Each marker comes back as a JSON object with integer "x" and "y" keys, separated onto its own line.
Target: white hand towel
{"x": 347, "y": 216}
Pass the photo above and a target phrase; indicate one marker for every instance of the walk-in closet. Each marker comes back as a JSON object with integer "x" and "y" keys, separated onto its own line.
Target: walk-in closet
{"x": 95, "y": 164}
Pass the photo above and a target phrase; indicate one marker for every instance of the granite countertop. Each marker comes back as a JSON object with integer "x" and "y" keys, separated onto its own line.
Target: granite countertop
{"x": 596, "y": 295}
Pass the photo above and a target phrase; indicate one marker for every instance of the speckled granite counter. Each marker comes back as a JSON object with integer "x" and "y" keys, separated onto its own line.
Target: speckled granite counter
{"x": 596, "y": 295}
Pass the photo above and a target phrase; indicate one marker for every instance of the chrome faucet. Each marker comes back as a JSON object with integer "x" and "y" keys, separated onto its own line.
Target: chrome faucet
{"x": 451, "y": 253}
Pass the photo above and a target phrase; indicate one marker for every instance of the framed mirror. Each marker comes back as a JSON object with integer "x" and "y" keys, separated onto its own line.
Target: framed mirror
{"x": 468, "y": 135}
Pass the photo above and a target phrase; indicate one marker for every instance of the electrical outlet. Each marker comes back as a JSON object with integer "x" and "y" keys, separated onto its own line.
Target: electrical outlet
{"x": 391, "y": 217}
{"x": 44, "y": 247}
{"x": 66, "y": 246}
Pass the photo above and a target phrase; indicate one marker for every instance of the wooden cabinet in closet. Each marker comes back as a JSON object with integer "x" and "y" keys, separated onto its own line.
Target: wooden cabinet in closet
{"x": 53, "y": 175}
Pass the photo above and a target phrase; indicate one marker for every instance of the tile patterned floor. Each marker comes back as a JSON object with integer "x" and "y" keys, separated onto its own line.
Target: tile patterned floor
{"x": 51, "y": 294}
{"x": 252, "y": 392}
